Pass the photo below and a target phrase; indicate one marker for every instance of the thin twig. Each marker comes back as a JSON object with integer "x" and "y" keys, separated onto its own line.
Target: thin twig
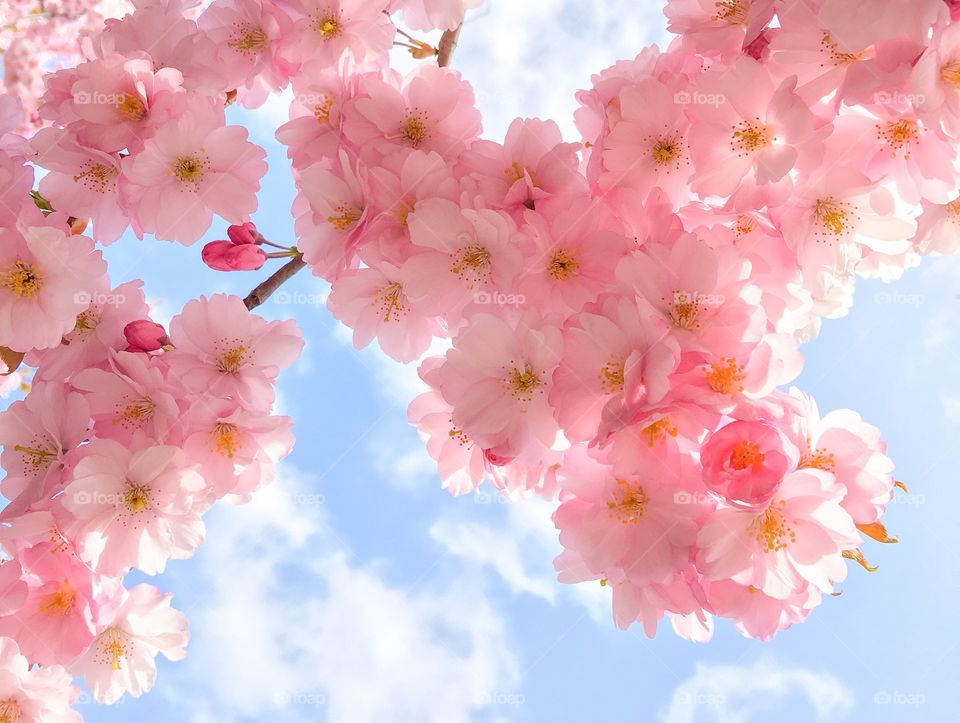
{"x": 448, "y": 43}
{"x": 263, "y": 292}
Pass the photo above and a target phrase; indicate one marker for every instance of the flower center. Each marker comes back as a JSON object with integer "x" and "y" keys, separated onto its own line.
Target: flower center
{"x": 725, "y": 377}
{"x": 837, "y": 56}
{"x": 321, "y": 111}
{"x": 87, "y": 322}
{"x": 10, "y": 711}
{"x": 189, "y": 169}
{"x": 684, "y": 310}
{"x": 666, "y": 151}
{"x": 771, "y": 529}
{"x": 472, "y": 260}
{"x": 98, "y": 177}
{"x": 562, "y": 265}
{"x": 230, "y": 361}
{"x": 226, "y": 439}
{"x": 656, "y": 431}
{"x": 136, "y": 497}
{"x": 414, "y": 129}
{"x": 59, "y": 602}
{"x": 611, "y": 375}
{"x": 328, "y": 25}
{"x": 950, "y": 74}
{"x": 817, "y": 459}
{"x": 134, "y": 414}
{"x": 248, "y": 40}
{"x": 22, "y": 280}
{"x": 629, "y": 502}
{"x": 36, "y": 458}
{"x": 344, "y": 217}
{"x": 391, "y": 301}
{"x": 749, "y": 136}
{"x": 831, "y": 217}
{"x": 899, "y": 134}
{"x": 113, "y": 646}
{"x": 523, "y": 382}
{"x": 746, "y": 454}
{"x": 131, "y": 107}
{"x": 459, "y": 435}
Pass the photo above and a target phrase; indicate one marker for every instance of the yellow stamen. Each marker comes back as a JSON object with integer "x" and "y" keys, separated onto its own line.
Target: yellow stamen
{"x": 950, "y": 74}
{"x": 611, "y": 375}
{"x": 59, "y": 602}
{"x": 391, "y": 301}
{"x": 473, "y": 261}
{"x": 658, "y": 430}
{"x": 838, "y": 57}
{"x": 562, "y": 265}
{"x": 899, "y": 135}
{"x": 113, "y": 646}
{"x": 131, "y": 107}
{"x": 328, "y": 25}
{"x": 629, "y": 502}
{"x": 136, "y": 497}
{"x": 684, "y": 310}
{"x": 189, "y": 169}
{"x": 749, "y": 136}
{"x": 522, "y": 382}
{"x": 248, "y": 40}
{"x": 133, "y": 414}
{"x": 725, "y": 377}
{"x": 735, "y": 12}
{"x": 98, "y": 177}
{"x": 830, "y": 217}
{"x": 226, "y": 439}
{"x": 230, "y": 361}
{"x": 746, "y": 454}
{"x": 344, "y": 217}
{"x": 22, "y": 280}
{"x": 414, "y": 129}
{"x": 771, "y": 529}
{"x": 817, "y": 459}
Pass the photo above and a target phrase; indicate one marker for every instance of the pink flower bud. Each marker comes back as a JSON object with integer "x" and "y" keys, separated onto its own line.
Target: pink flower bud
{"x": 245, "y": 233}
{"x": 225, "y": 256}
{"x": 145, "y": 335}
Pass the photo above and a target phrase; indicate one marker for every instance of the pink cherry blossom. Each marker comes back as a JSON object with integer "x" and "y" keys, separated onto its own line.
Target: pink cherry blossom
{"x": 34, "y": 693}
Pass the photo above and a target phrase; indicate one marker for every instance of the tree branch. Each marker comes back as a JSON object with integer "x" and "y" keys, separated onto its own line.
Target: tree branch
{"x": 263, "y": 292}
{"x": 448, "y": 43}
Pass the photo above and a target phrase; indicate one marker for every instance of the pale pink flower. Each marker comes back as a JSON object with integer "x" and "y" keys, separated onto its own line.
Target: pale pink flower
{"x": 237, "y": 450}
{"x": 46, "y": 281}
{"x": 647, "y": 145}
{"x": 38, "y": 435}
{"x": 755, "y": 132}
{"x": 372, "y": 302}
{"x": 431, "y": 110}
{"x": 249, "y": 35}
{"x": 55, "y": 624}
{"x": 462, "y": 257}
{"x": 330, "y": 230}
{"x": 133, "y": 508}
{"x": 97, "y": 331}
{"x": 35, "y": 694}
{"x": 224, "y": 350}
{"x": 533, "y": 164}
{"x": 609, "y": 353}
{"x": 81, "y": 181}
{"x": 714, "y": 28}
{"x": 849, "y": 448}
{"x": 120, "y": 102}
{"x": 131, "y": 396}
{"x": 433, "y": 14}
{"x": 134, "y": 629}
{"x": 757, "y": 614}
{"x": 497, "y": 378}
{"x": 190, "y": 170}
{"x": 329, "y": 29}
{"x": 797, "y": 538}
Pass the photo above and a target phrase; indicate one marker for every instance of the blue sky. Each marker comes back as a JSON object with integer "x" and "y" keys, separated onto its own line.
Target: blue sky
{"x": 355, "y": 590}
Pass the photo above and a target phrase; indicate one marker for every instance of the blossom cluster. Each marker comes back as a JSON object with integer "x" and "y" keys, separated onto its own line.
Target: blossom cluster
{"x": 620, "y": 319}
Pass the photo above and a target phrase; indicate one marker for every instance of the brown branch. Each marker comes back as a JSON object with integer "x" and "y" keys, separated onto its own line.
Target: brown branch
{"x": 281, "y": 275}
{"x": 448, "y": 43}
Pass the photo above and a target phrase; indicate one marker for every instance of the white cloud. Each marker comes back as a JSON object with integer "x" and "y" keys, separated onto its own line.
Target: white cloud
{"x": 520, "y": 550}
{"x": 291, "y": 629}
{"x": 739, "y": 693}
